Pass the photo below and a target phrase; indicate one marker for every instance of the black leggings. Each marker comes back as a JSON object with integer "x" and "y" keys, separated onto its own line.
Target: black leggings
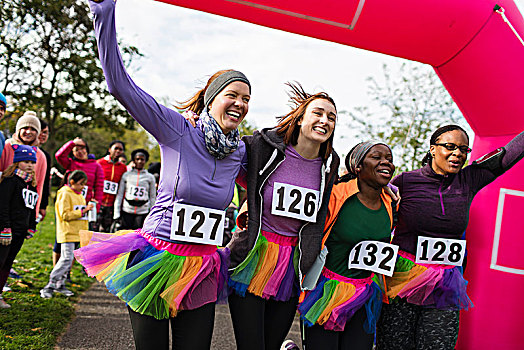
{"x": 190, "y": 330}
{"x": 132, "y": 221}
{"x": 261, "y": 324}
{"x": 406, "y": 326}
{"x": 7, "y": 257}
{"x": 353, "y": 337}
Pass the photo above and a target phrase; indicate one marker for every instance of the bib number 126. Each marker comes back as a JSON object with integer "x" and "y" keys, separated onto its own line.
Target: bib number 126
{"x": 197, "y": 224}
{"x": 294, "y": 202}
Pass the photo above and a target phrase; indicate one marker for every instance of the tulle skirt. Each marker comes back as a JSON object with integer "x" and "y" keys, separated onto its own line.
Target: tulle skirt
{"x": 335, "y": 300}
{"x": 155, "y": 277}
{"x": 430, "y": 285}
{"x": 269, "y": 271}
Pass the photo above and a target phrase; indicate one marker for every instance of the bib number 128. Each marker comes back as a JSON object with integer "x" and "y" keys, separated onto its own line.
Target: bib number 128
{"x": 197, "y": 224}
{"x": 440, "y": 251}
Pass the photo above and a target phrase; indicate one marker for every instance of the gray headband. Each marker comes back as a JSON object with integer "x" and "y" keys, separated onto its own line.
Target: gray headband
{"x": 221, "y": 82}
{"x": 359, "y": 152}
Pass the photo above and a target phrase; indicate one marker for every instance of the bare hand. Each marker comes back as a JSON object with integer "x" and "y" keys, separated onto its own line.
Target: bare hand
{"x": 395, "y": 196}
{"x": 42, "y": 212}
{"x": 191, "y": 117}
{"x": 89, "y": 207}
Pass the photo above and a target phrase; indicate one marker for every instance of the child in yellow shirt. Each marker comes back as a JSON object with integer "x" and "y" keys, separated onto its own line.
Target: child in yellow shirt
{"x": 71, "y": 217}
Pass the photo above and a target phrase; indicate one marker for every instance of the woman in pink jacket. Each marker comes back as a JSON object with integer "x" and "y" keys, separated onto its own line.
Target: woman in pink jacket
{"x": 74, "y": 156}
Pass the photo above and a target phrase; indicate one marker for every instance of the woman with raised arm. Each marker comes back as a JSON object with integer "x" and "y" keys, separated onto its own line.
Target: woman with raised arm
{"x": 170, "y": 271}
{"x": 427, "y": 290}
{"x": 291, "y": 170}
{"x": 341, "y": 312}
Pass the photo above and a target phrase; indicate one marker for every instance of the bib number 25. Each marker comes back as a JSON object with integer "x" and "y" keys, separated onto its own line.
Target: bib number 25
{"x": 197, "y": 224}
{"x": 440, "y": 251}
{"x": 294, "y": 202}
{"x": 374, "y": 256}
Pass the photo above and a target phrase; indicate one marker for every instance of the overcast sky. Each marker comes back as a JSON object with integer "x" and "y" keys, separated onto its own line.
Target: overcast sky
{"x": 183, "y": 47}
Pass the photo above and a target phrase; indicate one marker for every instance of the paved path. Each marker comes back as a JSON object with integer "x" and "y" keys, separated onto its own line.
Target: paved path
{"x": 102, "y": 323}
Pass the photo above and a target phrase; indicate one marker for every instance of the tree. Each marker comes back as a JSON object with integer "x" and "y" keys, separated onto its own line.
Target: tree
{"x": 413, "y": 103}
{"x": 50, "y": 65}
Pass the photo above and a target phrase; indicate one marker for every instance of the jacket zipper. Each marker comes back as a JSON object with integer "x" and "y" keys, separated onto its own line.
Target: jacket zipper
{"x": 214, "y": 169}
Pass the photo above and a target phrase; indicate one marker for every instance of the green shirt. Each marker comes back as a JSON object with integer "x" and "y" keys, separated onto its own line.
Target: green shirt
{"x": 355, "y": 223}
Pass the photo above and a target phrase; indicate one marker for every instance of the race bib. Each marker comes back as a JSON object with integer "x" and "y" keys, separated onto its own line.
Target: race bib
{"x": 136, "y": 193}
{"x": 30, "y": 198}
{"x": 294, "y": 202}
{"x": 440, "y": 251}
{"x": 80, "y": 207}
{"x": 110, "y": 187}
{"x": 197, "y": 224}
{"x": 84, "y": 191}
{"x": 374, "y": 256}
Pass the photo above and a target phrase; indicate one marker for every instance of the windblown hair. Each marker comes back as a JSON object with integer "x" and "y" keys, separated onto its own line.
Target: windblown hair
{"x": 288, "y": 124}
{"x": 196, "y": 103}
{"x": 10, "y": 171}
{"x": 433, "y": 140}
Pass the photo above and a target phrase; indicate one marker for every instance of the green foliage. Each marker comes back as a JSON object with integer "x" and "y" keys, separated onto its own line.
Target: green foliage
{"x": 33, "y": 322}
{"x": 413, "y": 104}
{"x": 49, "y": 64}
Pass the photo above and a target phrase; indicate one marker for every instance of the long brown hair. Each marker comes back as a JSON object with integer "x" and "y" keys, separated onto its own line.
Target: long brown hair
{"x": 288, "y": 124}
{"x": 196, "y": 103}
{"x": 10, "y": 170}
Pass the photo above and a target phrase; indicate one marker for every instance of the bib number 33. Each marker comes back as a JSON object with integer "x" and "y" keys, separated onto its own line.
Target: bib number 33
{"x": 374, "y": 256}
{"x": 440, "y": 251}
{"x": 294, "y": 202}
{"x": 197, "y": 224}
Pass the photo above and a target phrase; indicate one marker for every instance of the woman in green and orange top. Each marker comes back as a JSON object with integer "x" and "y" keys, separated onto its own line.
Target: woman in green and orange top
{"x": 341, "y": 312}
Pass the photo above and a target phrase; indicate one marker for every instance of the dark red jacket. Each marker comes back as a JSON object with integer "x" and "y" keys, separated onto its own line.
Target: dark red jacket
{"x": 112, "y": 172}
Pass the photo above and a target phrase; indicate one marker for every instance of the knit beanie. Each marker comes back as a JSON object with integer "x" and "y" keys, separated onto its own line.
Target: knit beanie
{"x": 24, "y": 152}
{"x": 29, "y": 119}
{"x": 3, "y": 101}
{"x": 221, "y": 82}
{"x": 357, "y": 154}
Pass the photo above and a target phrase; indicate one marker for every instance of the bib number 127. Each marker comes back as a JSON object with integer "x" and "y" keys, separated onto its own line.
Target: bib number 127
{"x": 197, "y": 224}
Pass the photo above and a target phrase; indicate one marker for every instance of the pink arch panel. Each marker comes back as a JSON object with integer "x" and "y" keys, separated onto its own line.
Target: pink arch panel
{"x": 481, "y": 63}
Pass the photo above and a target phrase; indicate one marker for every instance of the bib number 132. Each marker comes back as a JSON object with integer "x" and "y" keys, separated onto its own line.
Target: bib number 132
{"x": 374, "y": 256}
{"x": 440, "y": 251}
{"x": 197, "y": 224}
{"x": 294, "y": 202}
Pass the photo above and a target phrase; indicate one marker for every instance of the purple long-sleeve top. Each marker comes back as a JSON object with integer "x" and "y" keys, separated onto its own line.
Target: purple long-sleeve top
{"x": 434, "y": 205}
{"x": 189, "y": 174}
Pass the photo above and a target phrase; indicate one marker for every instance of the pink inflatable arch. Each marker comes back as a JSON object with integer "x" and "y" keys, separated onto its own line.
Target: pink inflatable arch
{"x": 480, "y": 60}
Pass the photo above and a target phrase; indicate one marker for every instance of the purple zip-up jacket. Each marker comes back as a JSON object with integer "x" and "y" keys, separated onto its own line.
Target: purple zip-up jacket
{"x": 189, "y": 174}
{"x": 434, "y": 205}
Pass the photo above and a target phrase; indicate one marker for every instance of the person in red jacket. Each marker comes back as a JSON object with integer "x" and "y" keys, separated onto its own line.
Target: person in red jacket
{"x": 113, "y": 171}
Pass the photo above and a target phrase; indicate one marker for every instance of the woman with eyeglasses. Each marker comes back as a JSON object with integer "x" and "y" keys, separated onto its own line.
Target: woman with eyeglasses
{"x": 427, "y": 290}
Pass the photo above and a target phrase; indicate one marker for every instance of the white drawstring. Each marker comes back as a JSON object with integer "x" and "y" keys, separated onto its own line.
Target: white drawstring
{"x": 500, "y": 10}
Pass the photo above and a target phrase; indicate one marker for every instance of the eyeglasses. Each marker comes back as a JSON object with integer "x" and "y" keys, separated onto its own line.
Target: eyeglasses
{"x": 451, "y": 147}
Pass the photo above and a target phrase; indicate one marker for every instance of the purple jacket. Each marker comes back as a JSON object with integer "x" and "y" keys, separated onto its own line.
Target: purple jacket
{"x": 189, "y": 174}
{"x": 434, "y": 205}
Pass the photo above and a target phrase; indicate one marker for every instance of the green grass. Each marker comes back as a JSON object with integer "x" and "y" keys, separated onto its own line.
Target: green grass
{"x": 33, "y": 322}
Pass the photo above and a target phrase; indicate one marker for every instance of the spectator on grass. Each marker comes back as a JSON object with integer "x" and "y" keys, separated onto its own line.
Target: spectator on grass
{"x": 18, "y": 199}
{"x": 71, "y": 217}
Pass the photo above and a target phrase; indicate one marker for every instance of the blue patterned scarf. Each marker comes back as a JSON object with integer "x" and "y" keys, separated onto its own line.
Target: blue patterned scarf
{"x": 218, "y": 144}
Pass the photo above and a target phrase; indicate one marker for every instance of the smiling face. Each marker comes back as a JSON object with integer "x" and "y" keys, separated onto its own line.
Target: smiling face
{"x": 80, "y": 150}
{"x": 449, "y": 162}
{"x": 377, "y": 166}
{"x": 28, "y": 135}
{"x": 116, "y": 150}
{"x": 44, "y": 135}
{"x": 230, "y": 106}
{"x": 318, "y": 122}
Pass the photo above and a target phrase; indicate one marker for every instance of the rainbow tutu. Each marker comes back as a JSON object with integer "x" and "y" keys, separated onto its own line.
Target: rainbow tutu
{"x": 269, "y": 270}
{"x": 335, "y": 300}
{"x": 431, "y": 285}
{"x": 155, "y": 277}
